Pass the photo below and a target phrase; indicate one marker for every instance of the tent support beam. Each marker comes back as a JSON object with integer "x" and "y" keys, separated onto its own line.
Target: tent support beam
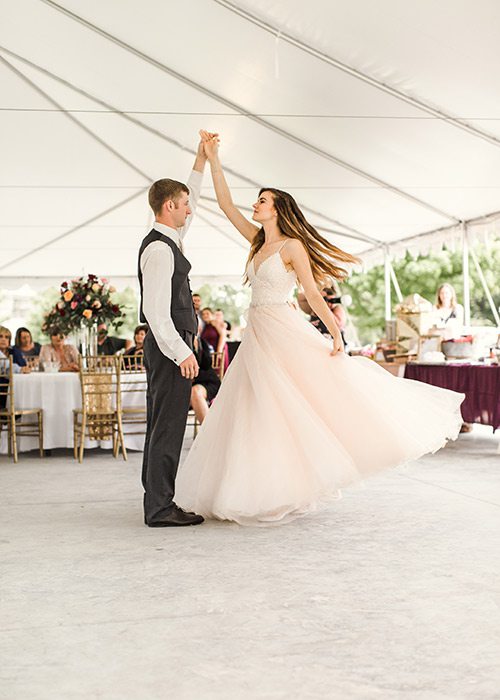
{"x": 357, "y": 235}
{"x": 476, "y": 221}
{"x": 74, "y": 229}
{"x": 241, "y": 110}
{"x": 378, "y": 84}
{"x": 387, "y": 285}
{"x": 465, "y": 273}
{"x": 395, "y": 283}
{"x": 486, "y": 287}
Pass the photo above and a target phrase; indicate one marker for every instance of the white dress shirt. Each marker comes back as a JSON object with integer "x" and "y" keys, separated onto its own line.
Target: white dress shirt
{"x": 157, "y": 267}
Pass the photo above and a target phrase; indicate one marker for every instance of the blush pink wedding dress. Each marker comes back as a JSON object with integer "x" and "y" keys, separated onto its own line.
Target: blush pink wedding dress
{"x": 291, "y": 424}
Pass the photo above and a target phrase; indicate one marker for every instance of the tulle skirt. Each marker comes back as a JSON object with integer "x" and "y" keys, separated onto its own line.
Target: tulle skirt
{"x": 292, "y": 425}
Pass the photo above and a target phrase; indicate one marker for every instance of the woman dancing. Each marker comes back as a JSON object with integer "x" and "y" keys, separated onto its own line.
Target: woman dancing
{"x": 271, "y": 448}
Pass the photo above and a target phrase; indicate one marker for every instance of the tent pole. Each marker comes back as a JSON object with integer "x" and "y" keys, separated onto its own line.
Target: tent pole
{"x": 486, "y": 288}
{"x": 387, "y": 285}
{"x": 465, "y": 273}
{"x": 395, "y": 282}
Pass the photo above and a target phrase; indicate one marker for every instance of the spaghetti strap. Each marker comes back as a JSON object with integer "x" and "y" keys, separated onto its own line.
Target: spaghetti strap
{"x": 282, "y": 246}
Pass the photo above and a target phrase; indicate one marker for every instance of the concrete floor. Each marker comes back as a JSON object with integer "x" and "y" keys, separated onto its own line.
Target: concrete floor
{"x": 391, "y": 593}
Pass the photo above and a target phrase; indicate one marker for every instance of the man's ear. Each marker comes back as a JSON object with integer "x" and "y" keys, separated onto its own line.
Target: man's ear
{"x": 170, "y": 205}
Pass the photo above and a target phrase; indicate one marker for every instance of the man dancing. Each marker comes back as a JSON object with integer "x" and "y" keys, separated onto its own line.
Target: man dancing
{"x": 167, "y": 307}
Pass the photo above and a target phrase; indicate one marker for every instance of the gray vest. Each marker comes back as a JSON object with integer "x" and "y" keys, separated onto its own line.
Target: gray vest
{"x": 181, "y": 305}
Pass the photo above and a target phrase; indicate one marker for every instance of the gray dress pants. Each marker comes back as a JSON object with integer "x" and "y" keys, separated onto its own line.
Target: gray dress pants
{"x": 168, "y": 398}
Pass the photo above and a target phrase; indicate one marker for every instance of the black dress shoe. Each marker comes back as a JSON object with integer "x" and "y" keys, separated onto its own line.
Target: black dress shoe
{"x": 177, "y": 518}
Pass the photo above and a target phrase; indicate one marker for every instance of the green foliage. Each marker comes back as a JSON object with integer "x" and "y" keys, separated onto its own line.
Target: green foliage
{"x": 423, "y": 275}
{"x": 233, "y": 301}
{"x": 127, "y": 300}
{"x": 44, "y": 301}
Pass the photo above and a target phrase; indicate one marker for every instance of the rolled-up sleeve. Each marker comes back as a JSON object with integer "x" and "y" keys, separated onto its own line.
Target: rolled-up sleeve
{"x": 194, "y": 187}
{"x": 157, "y": 266}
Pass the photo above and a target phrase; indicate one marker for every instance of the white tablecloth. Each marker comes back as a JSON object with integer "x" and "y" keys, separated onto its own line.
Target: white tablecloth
{"x": 57, "y": 395}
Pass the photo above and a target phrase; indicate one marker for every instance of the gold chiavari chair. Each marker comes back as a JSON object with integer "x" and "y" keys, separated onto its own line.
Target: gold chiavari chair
{"x": 31, "y": 419}
{"x": 218, "y": 364}
{"x": 132, "y": 387}
{"x": 98, "y": 417}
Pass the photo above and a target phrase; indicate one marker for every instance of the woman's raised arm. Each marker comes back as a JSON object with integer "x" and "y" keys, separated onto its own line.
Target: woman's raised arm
{"x": 224, "y": 199}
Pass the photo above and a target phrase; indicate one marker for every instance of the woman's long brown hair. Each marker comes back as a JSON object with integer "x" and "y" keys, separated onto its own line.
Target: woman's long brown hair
{"x": 293, "y": 224}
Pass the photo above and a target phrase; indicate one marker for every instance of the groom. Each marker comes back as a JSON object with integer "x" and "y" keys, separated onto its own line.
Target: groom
{"x": 167, "y": 307}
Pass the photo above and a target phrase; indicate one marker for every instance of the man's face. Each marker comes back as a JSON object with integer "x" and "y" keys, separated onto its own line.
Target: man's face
{"x": 181, "y": 210}
{"x": 196, "y": 302}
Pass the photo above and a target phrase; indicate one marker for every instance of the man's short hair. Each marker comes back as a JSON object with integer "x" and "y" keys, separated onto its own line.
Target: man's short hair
{"x": 162, "y": 190}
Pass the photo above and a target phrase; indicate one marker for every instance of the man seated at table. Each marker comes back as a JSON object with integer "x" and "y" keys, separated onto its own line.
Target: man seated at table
{"x": 136, "y": 350}
{"x": 110, "y": 344}
{"x": 18, "y": 361}
{"x": 58, "y": 351}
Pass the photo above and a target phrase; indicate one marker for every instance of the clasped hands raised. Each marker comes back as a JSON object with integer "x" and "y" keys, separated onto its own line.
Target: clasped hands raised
{"x": 209, "y": 143}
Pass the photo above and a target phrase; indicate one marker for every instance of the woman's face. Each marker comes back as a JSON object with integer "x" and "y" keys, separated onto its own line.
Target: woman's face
{"x": 206, "y": 316}
{"x": 4, "y": 340}
{"x": 139, "y": 338}
{"x": 25, "y": 339}
{"x": 219, "y": 316}
{"x": 57, "y": 340}
{"x": 263, "y": 209}
{"x": 445, "y": 296}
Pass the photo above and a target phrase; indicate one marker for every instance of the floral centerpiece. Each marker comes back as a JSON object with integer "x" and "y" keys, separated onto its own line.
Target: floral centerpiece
{"x": 85, "y": 303}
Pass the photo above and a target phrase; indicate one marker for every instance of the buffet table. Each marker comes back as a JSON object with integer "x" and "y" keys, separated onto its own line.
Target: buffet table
{"x": 57, "y": 395}
{"x": 479, "y": 383}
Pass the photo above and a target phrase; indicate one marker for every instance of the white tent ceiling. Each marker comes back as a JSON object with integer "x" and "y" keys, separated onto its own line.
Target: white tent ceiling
{"x": 382, "y": 119}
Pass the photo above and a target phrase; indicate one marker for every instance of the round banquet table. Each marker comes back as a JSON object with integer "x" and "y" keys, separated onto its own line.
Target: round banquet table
{"x": 57, "y": 394}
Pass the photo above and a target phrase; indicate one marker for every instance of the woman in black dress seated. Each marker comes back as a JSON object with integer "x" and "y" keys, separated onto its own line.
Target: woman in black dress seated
{"x": 206, "y": 384}
{"x": 137, "y": 349}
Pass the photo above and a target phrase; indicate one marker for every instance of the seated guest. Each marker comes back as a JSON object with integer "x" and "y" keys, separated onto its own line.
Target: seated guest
{"x": 18, "y": 361}
{"x": 197, "y": 310}
{"x": 6, "y": 349}
{"x": 58, "y": 351}
{"x": 24, "y": 342}
{"x": 138, "y": 348}
{"x": 215, "y": 334}
{"x": 219, "y": 317}
{"x": 447, "y": 309}
{"x": 109, "y": 344}
{"x": 206, "y": 384}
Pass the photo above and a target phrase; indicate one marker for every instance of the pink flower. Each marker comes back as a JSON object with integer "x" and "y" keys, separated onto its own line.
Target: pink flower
{"x": 73, "y": 305}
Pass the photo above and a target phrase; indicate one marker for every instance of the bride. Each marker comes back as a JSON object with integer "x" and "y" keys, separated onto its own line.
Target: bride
{"x": 296, "y": 419}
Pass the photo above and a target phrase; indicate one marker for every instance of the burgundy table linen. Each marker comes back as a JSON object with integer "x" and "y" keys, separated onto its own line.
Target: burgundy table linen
{"x": 479, "y": 383}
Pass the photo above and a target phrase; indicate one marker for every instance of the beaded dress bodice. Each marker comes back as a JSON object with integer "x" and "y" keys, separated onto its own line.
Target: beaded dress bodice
{"x": 272, "y": 283}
